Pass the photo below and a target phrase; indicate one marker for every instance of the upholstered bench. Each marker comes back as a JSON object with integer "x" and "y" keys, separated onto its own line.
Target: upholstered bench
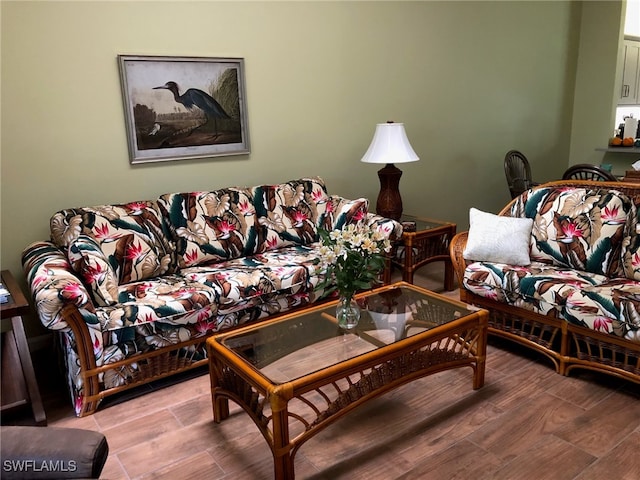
{"x": 51, "y": 452}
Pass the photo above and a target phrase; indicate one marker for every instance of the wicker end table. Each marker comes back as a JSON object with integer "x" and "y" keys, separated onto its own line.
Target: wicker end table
{"x": 427, "y": 242}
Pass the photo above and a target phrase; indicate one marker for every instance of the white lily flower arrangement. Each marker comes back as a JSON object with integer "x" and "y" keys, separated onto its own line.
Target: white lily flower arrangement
{"x": 354, "y": 258}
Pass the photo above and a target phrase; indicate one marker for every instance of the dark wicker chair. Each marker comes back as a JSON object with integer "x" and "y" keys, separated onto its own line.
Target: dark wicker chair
{"x": 518, "y": 172}
{"x": 585, "y": 171}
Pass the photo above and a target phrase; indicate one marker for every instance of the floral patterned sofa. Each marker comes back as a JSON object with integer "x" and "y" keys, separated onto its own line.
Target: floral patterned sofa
{"x": 134, "y": 289}
{"x": 578, "y": 300}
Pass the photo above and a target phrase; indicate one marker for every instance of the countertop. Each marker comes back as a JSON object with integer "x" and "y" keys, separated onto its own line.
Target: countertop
{"x": 619, "y": 149}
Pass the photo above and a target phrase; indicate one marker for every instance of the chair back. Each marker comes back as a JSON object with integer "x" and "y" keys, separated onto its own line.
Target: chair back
{"x": 518, "y": 172}
{"x": 586, "y": 171}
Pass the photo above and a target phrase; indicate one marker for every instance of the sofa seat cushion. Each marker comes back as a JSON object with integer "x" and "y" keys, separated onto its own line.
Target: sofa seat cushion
{"x": 211, "y": 226}
{"x": 538, "y": 287}
{"x": 127, "y": 342}
{"x": 579, "y": 228}
{"x": 133, "y": 237}
{"x": 174, "y": 299}
{"x": 244, "y": 281}
{"x": 612, "y": 307}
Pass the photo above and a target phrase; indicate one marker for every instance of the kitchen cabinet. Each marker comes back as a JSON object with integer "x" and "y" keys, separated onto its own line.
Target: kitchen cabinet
{"x": 630, "y": 88}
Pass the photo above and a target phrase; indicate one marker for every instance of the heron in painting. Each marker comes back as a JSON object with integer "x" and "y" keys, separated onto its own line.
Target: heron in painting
{"x": 193, "y": 98}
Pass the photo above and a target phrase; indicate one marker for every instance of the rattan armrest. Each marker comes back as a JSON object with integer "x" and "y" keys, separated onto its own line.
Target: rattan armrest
{"x": 456, "y": 249}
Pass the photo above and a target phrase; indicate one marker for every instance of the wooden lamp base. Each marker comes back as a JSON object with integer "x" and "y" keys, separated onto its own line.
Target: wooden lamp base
{"x": 389, "y": 202}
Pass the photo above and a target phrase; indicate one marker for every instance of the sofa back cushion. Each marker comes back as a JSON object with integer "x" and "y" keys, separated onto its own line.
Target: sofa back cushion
{"x": 579, "y": 228}
{"x": 133, "y": 237}
{"x": 89, "y": 261}
{"x": 340, "y": 212}
{"x": 287, "y": 213}
{"x": 631, "y": 253}
{"x": 210, "y": 226}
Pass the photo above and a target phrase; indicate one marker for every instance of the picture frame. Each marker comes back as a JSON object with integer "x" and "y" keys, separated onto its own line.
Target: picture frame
{"x": 179, "y": 108}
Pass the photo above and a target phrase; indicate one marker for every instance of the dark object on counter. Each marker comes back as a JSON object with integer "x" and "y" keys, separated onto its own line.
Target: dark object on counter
{"x": 621, "y": 130}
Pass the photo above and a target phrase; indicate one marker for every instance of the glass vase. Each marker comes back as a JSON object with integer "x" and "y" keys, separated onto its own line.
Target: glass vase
{"x": 347, "y": 313}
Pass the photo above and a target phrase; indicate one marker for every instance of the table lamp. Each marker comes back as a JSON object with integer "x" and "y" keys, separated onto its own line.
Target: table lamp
{"x": 389, "y": 145}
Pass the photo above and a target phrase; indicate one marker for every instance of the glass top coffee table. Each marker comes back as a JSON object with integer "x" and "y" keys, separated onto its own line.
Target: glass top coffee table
{"x": 297, "y": 374}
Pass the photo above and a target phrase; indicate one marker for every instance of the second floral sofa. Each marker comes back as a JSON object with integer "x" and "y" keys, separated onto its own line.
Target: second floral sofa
{"x": 559, "y": 271}
{"x": 134, "y": 289}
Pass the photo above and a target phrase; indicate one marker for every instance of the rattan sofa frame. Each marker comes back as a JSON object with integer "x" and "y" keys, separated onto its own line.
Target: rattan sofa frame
{"x": 568, "y": 346}
{"x": 152, "y": 366}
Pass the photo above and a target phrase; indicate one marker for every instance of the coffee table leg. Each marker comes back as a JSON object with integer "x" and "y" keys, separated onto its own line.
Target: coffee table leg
{"x": 220, "y": 408}
{"x": 481, "y": 355}
{"x": 283, "y": 467}
{"x": 283, "y": 460}
{"x": 219, "y": 402}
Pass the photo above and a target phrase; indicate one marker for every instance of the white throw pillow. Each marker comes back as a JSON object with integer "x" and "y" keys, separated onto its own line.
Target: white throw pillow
{"x": 493, "y": 238}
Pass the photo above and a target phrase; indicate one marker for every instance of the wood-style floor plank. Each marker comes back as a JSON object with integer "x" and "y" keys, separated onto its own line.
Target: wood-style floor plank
{"x": 461, "y": 461}
{"x": 550, "y": 458}
{"x": 605, "y": 425}
{"x": 621, "y": 462}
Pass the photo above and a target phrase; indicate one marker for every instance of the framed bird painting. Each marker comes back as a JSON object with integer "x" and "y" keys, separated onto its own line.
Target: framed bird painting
{"x": 183, "y": 107}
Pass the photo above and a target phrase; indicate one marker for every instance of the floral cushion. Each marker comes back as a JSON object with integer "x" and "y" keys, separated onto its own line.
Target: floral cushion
{"x": 391, "y": 229}
{"x": 245, "y": 281}
{"x": 133, "y": 237}
{"x": 341, "y": 212}
{"x": 631, "y": 254}
{"x": 613, "y": 307}
{"x": 539, "y": 287}
{"x": 53, "y": 284}
{"x": 590, "y": 300}
{"x": 287, "y": 213}
{"x": 211, "y": 226}
{"x": 88, "y": 259}
{"x": 172, "y": 299}
{"x": 125, "y": 342}
{"x": 579, "y": 228}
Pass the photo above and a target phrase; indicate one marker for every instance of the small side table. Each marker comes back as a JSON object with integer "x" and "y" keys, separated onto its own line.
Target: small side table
{"x": 428, "y": 243}
{"x": 19, "y": 386}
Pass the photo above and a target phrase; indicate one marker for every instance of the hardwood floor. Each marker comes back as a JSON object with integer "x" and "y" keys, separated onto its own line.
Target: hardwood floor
{"x": 527, "y": 422}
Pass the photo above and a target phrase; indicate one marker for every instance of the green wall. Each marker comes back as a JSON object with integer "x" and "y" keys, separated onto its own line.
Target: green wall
{"x": 470, "y": 80}
{"x": 596, "y": 92}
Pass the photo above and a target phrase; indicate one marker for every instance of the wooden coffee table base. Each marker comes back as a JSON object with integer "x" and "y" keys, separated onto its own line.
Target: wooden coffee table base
{"x": 289, "y": 414}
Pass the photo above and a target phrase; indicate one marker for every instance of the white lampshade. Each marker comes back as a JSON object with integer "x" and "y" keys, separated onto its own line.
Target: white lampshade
{"x": 390, "y": 145}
